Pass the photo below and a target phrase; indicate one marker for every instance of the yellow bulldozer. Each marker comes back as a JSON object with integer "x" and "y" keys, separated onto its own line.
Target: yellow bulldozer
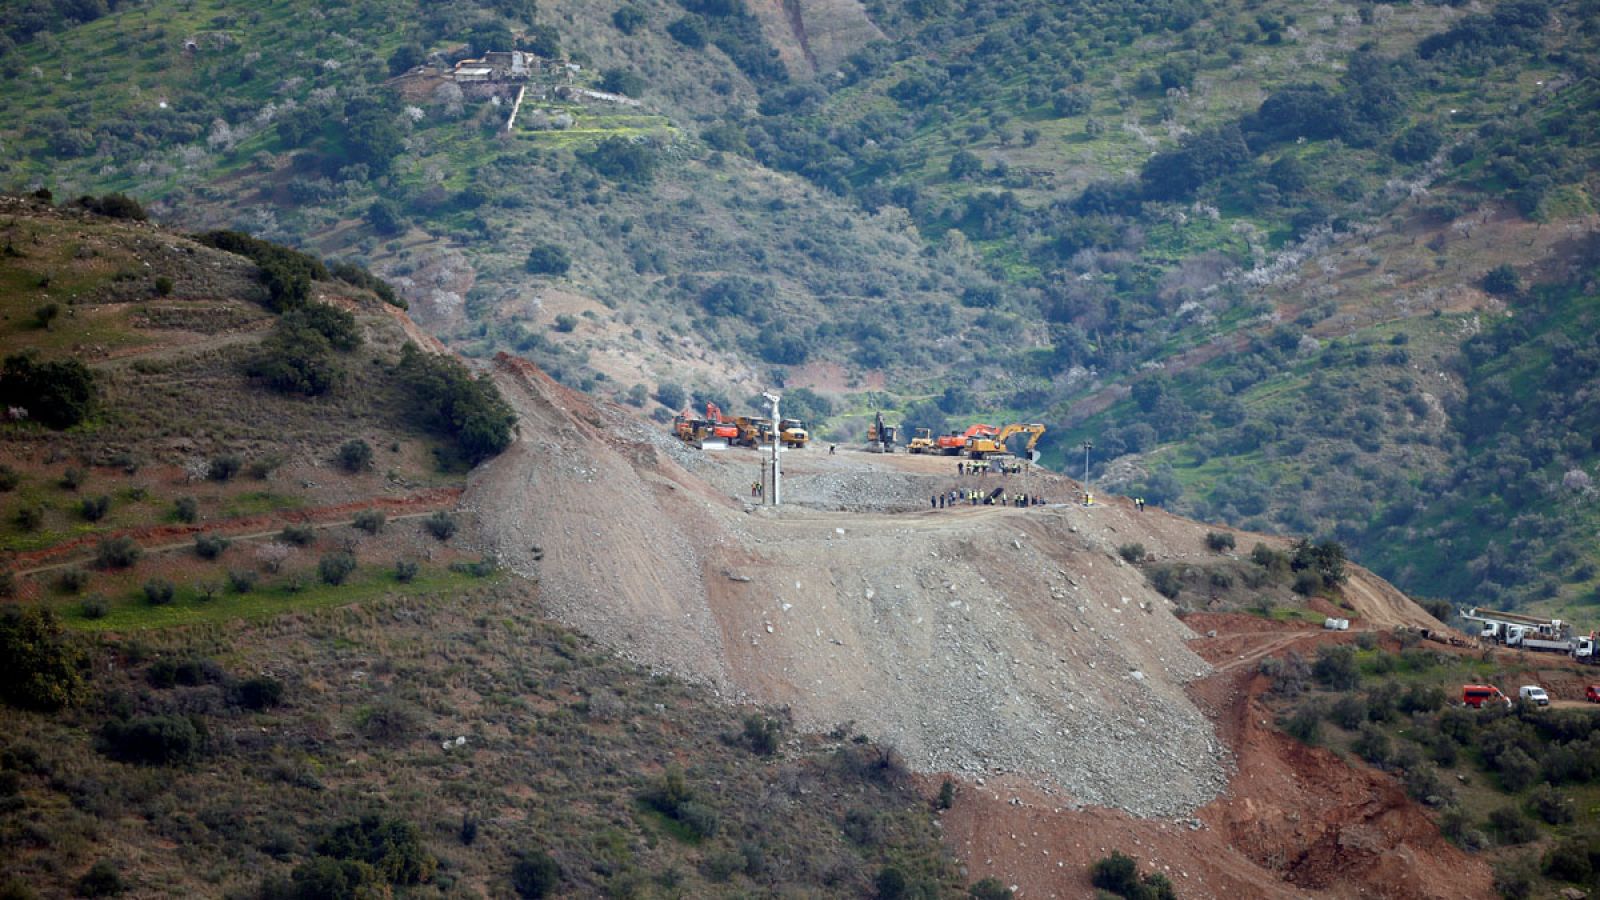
{"x": 923, "y": 442}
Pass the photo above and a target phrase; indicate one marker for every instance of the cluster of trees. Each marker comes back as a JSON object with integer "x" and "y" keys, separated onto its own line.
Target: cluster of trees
{"x": 301, "y": 356}
{"x": 287, "y": 273}
{"x": 58, "y": 393}
{"x": 729, "y": 26}
{"x": 450, "y": 402}
{"x": 370, "y": 856}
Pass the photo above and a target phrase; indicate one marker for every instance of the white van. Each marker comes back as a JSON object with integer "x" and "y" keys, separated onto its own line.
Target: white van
{"x": 1532, "y": 693}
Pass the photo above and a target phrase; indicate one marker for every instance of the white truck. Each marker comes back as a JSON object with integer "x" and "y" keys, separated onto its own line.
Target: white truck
{"x": 1530, "y": 632}
{"x": 1532, "y": 693}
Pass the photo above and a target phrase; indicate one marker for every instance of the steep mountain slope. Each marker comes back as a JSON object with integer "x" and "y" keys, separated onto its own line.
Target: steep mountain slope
{"x": 242, "y": 652}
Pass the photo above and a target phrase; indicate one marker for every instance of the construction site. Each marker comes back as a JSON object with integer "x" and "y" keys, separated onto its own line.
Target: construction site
{"x": 1013, "y": 648}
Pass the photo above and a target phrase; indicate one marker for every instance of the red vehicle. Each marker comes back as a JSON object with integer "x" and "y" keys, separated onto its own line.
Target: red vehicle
{"x": 1474, "y": 695}
{"x": 1592, "y": 694}
{"x": 954, "y": 443}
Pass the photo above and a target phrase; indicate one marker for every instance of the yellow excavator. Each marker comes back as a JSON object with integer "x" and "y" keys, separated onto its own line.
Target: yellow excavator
{"x": 981, "y": 446}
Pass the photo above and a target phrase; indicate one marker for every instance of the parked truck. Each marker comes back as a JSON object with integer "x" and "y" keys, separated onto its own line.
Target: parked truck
{"x": 1530, "y": 632}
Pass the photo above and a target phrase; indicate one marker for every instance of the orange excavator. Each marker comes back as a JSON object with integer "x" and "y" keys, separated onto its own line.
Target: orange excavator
{"x": 955, "y": 443}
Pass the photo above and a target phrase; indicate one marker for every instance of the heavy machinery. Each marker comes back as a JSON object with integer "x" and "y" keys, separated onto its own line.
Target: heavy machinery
{"x": 880, "y": 437}
{"x": 710, "y": 433}
{"x": 955, "y": 443}
{"x": 1531, "y": 633}
{"x": 982, "y": 445}
{"x": 754, "y": 431}
{"x": 922, "y": 443}
{"x": 793, "y": 433}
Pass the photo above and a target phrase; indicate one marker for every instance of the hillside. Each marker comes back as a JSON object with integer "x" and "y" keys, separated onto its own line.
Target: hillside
{"x": 1144, "y": 224}
{"x": 236, "y": 649}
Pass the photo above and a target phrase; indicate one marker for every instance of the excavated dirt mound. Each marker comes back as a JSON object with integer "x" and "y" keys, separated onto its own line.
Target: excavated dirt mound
{"x": 1011, "y": 647}
{"x": 975, "y": 640}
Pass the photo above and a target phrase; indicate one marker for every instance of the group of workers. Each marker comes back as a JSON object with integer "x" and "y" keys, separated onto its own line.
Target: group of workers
{"x": 974, "y": 497}
{"x": 984, "y": 467}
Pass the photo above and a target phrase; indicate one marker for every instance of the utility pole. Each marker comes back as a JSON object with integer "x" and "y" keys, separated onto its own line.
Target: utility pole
{"x": 1087, "y": 446}
{"x": 777, "y": 439}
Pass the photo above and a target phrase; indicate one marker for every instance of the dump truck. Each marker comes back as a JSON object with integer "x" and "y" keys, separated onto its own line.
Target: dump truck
{"x": 754, "y": 431}
{"x": 793, "y": 433}
{"x": 710, "y": 433}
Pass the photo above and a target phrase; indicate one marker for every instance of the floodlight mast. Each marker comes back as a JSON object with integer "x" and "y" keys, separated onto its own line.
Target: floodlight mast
{"x": 777, "y": 440}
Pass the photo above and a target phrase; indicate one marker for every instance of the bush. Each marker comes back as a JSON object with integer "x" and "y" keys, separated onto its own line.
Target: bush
{"x": 405, "y": 571}
{"x": 1553, "y": 807}
{"x": 762, "y": 734}
{"x": 8, "y": 479}
{"x": 393, "y": 847}
{"x": 153, "y": 740}
{"x": 990, "y": 888}
{"x": 113, "y": 206}
{"x": 1373, "y": 746}
{"x": 1502, "y": 281}
{"x": 258, "y": 693}
{"x": 73, "y": 478}
{"x": 1305, "y": 724}
{"x": 72, "y": 580}
{"x": 535, "y": 875}
{"x": 355, "y": 456}
{"x": 548, "y": 259}
{"x": 1348, "y": 712}
{"x": 1117, "y": 873}
{"x": 1132, "y": 552}
{"x": 1218, "y": 541}
{"x": 47, "y": 314}
{"x": 336, "y": 567}
{"x": 103, "y": 879}
{"x": 1569, "y": 860}
{"x": 159, "y": 591}
{"x": 186, "y": 509}
{"x": 58, "y": 394}
{"x": 1512, "y": 826}
{"x": 1336, "y": 668}
{"x": 441, "y": 525}
{"x": 41, "y": 666}
{"x": 30, "y": 517}
{"x": 164, "y": 286}
{"x": 224, "y": 466}
{"x": 116, "y": 553}
{"x": 96, "y": 608}
{"x": 298, "y": 535}
{"x": 241, "y": 581}
{"x": 167, "y": 673}
{"x": 208, "y": 546}
{"x": 296, "y": 359}
{"x": 370, "y": 520}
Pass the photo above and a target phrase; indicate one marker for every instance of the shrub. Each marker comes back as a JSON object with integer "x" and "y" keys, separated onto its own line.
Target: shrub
{"x": 1569, "y": 860}
{"x": 1552, "y": 806}
{"x": 73, "y": 478}
{"x": 30, "y": 517}
{"x": 1218, "y": 541}
{"x": 629, "y": 19}
{"x": 947, "y": 794}
{"x": 1336, "y": 668}
{"x": 186, "y": 509}
{"x": 370, "y": 520}
{"x": 153, "y": 740}
{"x": 1373, "y": 746}
{"x": 258, "y": 693}
{"x": 336, "y": 567}
{"x": 96, "y": 608}
{"x": 114, "y": 206}
{"x": 1348, "y": 712}
{"x": 159, "y": 591}
{"x": 441, "y": 525}
{"x": 241, "y": 581}
{"x": 116, "y": 553}
{"x": 535, "y": 875}
{"x": 548, "y": 259}
{"x": 41, "y": 666}
{"x": 72, "y": 580}
{"x": 405, "y": 571}
{"x": 1131, "y": 552}
{"x": 166, "y": 673}
{"x": 209, "y": 546}
{"x": 1512, "y": 826}
{"x": 990, "y": 888}
{"x": 355, "y": 456}
{"x": 224, "y": 466}
{"x": 58, "y": 394}
{"x": 298, "y": 535}
{"x": 8, "y": 479}
{"x": 164, "y": 286}
{"x": 565, "y": 323}
{"x": 389, "y": 721}
{"x": 1305, "y": 724}
{"x": 762, "y": 734}
{"x": 1117, "y": 873}
{"x": 103, "y": 879}
{"x": 1267, "y": 558}
{"x": 1502, "y": 281}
